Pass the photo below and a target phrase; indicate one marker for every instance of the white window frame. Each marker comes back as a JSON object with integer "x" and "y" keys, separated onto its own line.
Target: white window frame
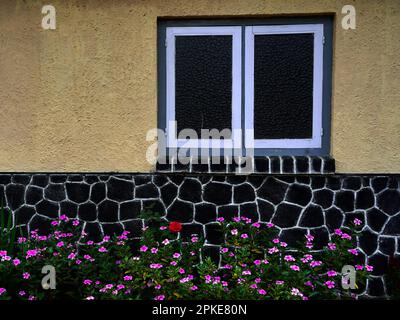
{"x": 316, "y": 140}
{"x": 171, "y": 34}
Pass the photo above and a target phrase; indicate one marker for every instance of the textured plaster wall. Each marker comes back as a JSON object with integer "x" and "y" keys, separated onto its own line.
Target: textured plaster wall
{"x": 82, "y": 97}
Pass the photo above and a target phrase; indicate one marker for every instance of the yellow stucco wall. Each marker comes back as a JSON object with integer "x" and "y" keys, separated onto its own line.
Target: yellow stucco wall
{"x": 82, "y": 97}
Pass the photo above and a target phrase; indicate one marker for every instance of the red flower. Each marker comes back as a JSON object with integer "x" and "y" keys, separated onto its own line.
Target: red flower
{"x": 175, "y": 226}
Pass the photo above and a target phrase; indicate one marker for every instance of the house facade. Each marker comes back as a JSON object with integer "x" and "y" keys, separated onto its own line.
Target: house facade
{"x": 308, "y": 91}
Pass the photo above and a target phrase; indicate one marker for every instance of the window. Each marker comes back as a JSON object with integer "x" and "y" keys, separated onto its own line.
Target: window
{"x": 266, "y": 82}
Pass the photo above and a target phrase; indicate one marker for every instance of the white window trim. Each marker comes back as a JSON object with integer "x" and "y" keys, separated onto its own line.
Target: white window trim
{"x": 171, "y": 33}
{"x": 316, "y": 140}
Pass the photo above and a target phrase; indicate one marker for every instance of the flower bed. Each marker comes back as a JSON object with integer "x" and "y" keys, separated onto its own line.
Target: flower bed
{"x": 255, "y": 264}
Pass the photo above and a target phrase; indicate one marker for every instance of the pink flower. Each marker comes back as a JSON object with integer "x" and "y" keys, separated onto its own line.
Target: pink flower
{"x": 143, "y": 248}
{"x": 270, "y": 225}
{"x": 193, "y": 288}
{"x": 221, "y": 219}
{"x": 156, "y": 266}
{"x": 102, "y": 249}
{"x": 87, "y": 282}
{"x": 60, "y": 244}
{"x": 22, "y": 293}
{"x": 224, "y": 250}
{"x": 121, "y": 286}
{"x": 276, "y": 240}
{"x": 173, "y": 263}
{"x": 71, "y": 256}
{"x": 21, "y": 239}
{"x": 262, "y": 292}
{"x": 330, "y": 284}
{"x": 338, "y": 232}
{"x": 331, "y": 273}
{"x": 283, "y": 244}
{"x": 26, "y": 275}
{"x": 54, "y": 223}
{"x": 2, "y": 291}
{"x": 289, "y": 258}
{"x": 253, "y": 286}
{"x": 89, "y": 298}
{"x": 265, "y": 261}
{"x": 346, "y": 236}
{"x": 331, "y": 246}
{"x": 234, "y": 232}
{"x": 176, "y": 255}
{"x": 194, "y": 239}
{"x": 128, "y": 278}
{"x": 357, "y": 222}
{"x": 296, "y": 292}
{"x": 157, "y": 287}
{"x": 309, "y": 284}
{"x": 244, "y": 236}
{"x": 163, "y": 228}
{"x": 90, "y": 242}
{"x": 160, "y": 297}
{"x": 353, "y": 251}
{"x": 165, "y": 242}
{"x": 78, "y": 262}
{"x": 236, "y": 219}
{"x": 246, "y": 273}
{"x": 31, "y": 253}
{"x": 257, "y": 262}
{"x": 257, "y": 280}
{"x": 279, "y": 282}
{"x": 75, "y": 223}
{"x": 294, "y": 267}
{"x": 273, "y": 250}
{"x": 314, "y": 264}
{"x": 63, "y": 217}
{"x": 154, "y": 250}
{"x": 256, "y": 225}
{"x": 309, "y": 237}
{"x": 181, "y": 271}
{"x": 369, "y": 268}
{"x": 359, "y": 267}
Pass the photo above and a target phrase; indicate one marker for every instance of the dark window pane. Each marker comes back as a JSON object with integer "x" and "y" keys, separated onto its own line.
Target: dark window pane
{"x": 203, "y": 82}
{"x": 283, "y": 86}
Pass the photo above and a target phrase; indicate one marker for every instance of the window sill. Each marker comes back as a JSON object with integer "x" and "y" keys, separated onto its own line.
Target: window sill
{"x": 260, "y": 165}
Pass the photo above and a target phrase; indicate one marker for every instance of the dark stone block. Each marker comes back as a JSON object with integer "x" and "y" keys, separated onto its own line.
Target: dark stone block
{"x": 5, "y": 178}
{"x": 323, "y": 197}
{"x": 334, "y": 219}
{"x": 365, "y": 182}
{"x": 55, "y": 192}
{"x": 75, "y": 178}
{"x": 155, "y": 206}
{"x": 129, "y": 210}
{"x": 228, "y": 212}
{"x": 243, "y": 193}
{"x": 265, "y": 209}
{"x": 387, "y": 245}
{"x": 345, "y": 200}
{"x": 177, "y": 179}
{"x": 143, "y": 179}
{"x": 376, "y": 219}
{"x": 365, "y": 199}
{"x": 111, "y": 229}
{"x": 135, "y": 228}
{"x": 286, "y": 179}
{"x": 321, "y": 237}
{"x": 42, "y": 224}
{"x": 393, "y": 183}
{"x": 211, "y": 252}
{"x": 352, "y": 183}
{"x": 316, "y": 164}
{"x": 77, "y": 192}
{"x": 180, "y": 211}
{"x": 181, "y": 167}
{"x": 218, "y": 178}
{"x": 389, "y": 201}
{"x": 69, "y": 209}
{"x": 47, "y": 208}
{"x": 232, "y": 179}
{"x": 312, "y": 217}
{"x": 333, "y": 183}
{"x": 217, "y": 193}
{"x": 286, "y": 215}
{"x": 200, "y": 167}
{"x": 15, "y": 195}
{"x": 255, "y": 181}
{"x": 218, "y": 167}
{"x": 204, "y": 179}
{"x": 299, "y": 194}
{"x": 261, "y": 164}
{"x": 272, "y": 190}
{"x": 349, "y": 218}
{"x": 58, "y": 178}
{"x": 93, "y": 232}
{"x": 108, "y": 211}
{"x": 380, "y": 264}
{"x": 104, "y": 178}
{"x": 317, "y": 182}
{"x": 40, "y": 180}
{"x": 275, "y": 164}
{"x": 249, "y": 210}
{"x": 205, "y": 213}
{"x": 190, "y": 190}
{"x": 375, "y": 287}
{"x": 191, "y": 229}
{"x": 158, "y": 180}
{"x": 329, "y": 165}
{"x": 146, "y": 191}
{"x": 90, "y": 178}
{"x": 164, "y": 167}
{"x": 33, "y": 194}
{"x": 302, "y": 165}
{"x": 214, "y": 234}
{"x": 287, "y": 165}
{"x": 294, "y": 237}
{"x": 87, "y": 211}
{"x": 21, "y": 179}
{"x": 3, "y": 200}
{"x": 303, "y": 179}
{"x": 98, "y": 192}
{"x": 392, "y": 228}
{"x": 23, "y": 215}
{"x": 121, "y": 190}
{"x": 368, "y": 242}
{"x": 379, "y": 183}
{"x": 169, "y": 193}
